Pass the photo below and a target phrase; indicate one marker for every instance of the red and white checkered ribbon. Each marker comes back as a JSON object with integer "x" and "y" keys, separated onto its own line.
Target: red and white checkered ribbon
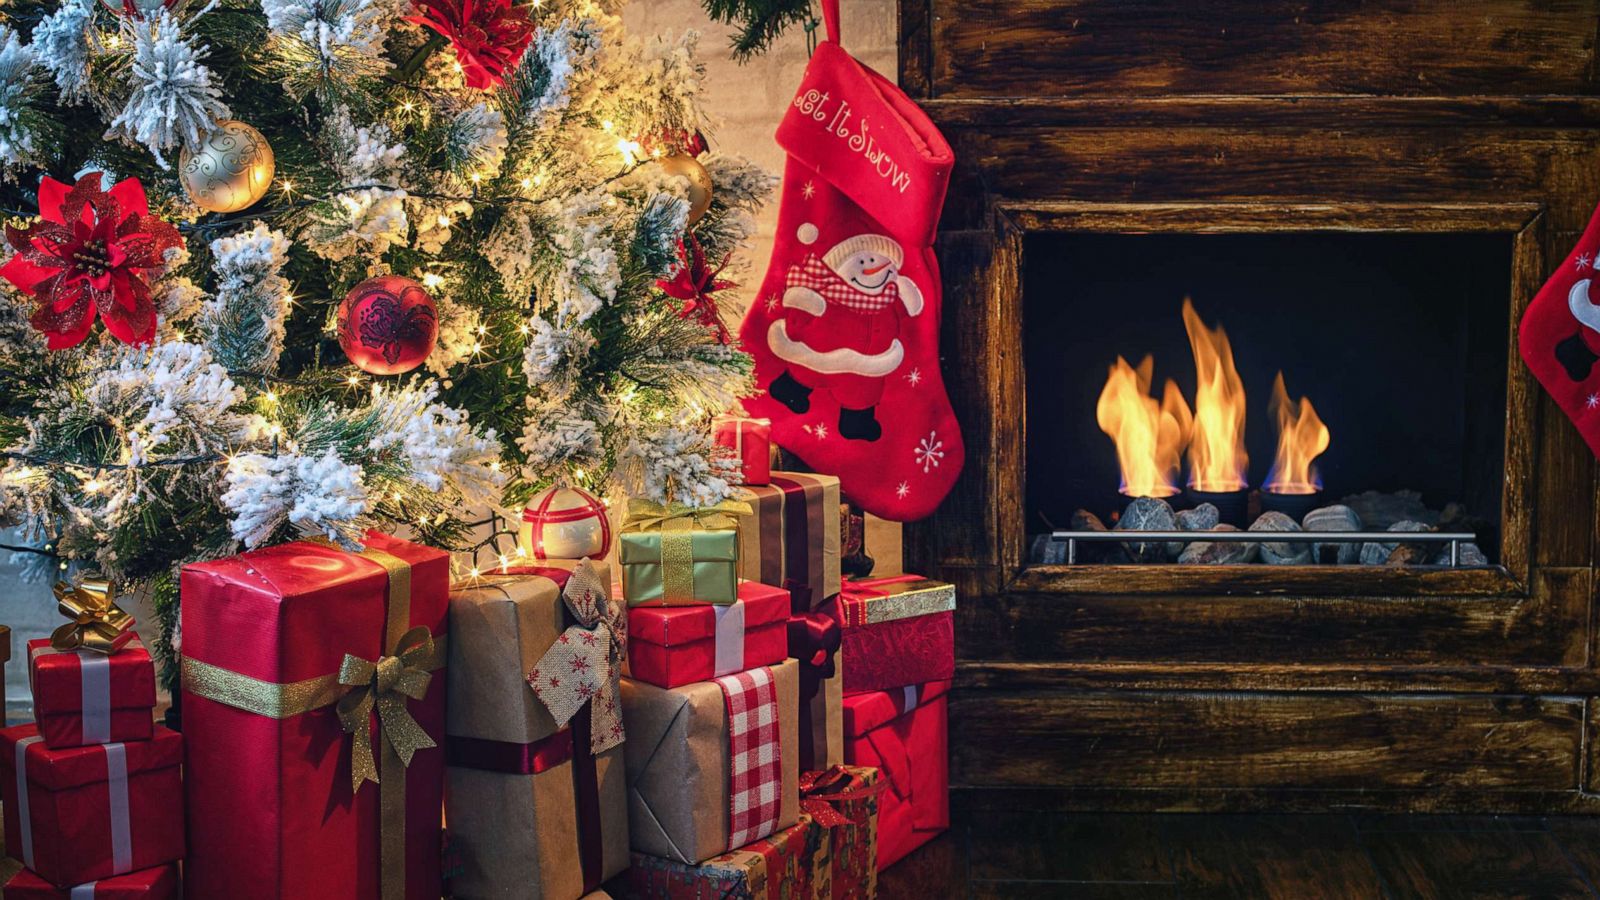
{"x": 755, "y": 777}
{"x": 813, "y": 273}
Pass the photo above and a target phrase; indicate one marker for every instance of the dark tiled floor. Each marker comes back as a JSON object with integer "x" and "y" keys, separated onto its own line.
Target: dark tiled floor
{"x": 991, "y": 854}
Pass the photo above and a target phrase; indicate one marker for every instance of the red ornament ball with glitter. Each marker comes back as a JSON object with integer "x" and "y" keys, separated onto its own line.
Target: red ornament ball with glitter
{"x": 388, "y": 325}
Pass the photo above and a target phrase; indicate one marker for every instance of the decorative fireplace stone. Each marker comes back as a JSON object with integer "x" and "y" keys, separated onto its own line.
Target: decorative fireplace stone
{"x": 1460, "y": 140}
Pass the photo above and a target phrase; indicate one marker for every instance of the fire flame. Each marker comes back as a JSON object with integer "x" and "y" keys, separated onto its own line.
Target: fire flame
{"x": 1149, "y": 435}
{"x": 1301, "y": 438}
{"x": 1217, "y": 459}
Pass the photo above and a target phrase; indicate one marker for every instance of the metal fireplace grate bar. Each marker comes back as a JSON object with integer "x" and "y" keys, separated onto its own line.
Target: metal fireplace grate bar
{"x": 1454, "y": 538}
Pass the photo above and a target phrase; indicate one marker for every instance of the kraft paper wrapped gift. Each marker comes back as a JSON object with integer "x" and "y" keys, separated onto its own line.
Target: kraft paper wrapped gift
{"x": 790, "y": 538}
{"x": 284, "y": 646}
{"x": 897, "y": 631}
{"x": 670, "y": 646}
{"x": 84, "y": 813}
{"x": 679, "y": 765}
{"x": 678, "y": 555}
{"x": 533, "y": 812}
{"x": 793, "y": 864}
{"x": 83, "y": 697}
{"x": 904, "y": 734}
{"x": 159, "y": 883}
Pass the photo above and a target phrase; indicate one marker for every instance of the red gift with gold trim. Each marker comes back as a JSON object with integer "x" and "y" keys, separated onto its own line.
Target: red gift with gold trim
{"x": 159, "y": 883}
{"x": 308, "y": 672}
{"x": 896, "y": 631}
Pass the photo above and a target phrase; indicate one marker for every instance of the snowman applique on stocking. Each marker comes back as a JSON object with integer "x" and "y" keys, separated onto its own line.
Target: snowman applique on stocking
{"x": 1559, "y": 337}
{"x": 845, "y": 329}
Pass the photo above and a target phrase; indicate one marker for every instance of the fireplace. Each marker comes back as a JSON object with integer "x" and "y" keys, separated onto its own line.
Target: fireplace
{"x": 1365, "y": 197}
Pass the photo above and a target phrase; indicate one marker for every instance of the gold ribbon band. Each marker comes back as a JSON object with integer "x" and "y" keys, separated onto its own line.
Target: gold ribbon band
{"x": 647, "y": 515}
{"x": 677, "y": 561}
{"x": 273, "y": 699}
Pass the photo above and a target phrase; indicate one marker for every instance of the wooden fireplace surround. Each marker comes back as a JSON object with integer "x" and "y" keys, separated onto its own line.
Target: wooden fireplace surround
{"x": 1319, "y": 688}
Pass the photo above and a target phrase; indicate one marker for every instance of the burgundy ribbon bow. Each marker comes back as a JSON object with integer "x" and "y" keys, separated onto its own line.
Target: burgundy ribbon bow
{"x": 814, "y": 639}
{"x": 694, "y": 281}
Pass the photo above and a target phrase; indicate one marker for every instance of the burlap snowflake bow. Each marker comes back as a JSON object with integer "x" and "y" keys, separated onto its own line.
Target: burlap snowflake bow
{"x": 585, "y": 662}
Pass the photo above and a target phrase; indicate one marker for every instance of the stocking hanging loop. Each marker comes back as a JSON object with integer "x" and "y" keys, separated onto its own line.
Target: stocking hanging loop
{"x": 830, "y": 19}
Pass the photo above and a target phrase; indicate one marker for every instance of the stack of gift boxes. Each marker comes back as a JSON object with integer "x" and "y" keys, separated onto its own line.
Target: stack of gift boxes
{"x": 715, "y": 714}
{"x": 93, "y": 791}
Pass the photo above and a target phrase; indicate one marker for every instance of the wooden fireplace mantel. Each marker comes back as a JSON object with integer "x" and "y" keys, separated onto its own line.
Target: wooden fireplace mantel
{"x": 1117, "y": 687}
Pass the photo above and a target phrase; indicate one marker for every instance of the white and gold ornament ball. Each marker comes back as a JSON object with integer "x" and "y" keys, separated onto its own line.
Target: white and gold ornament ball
{"x": 230, "y": 170}
{"x": 565, "y": 523}
{"x": 699, "y": 181}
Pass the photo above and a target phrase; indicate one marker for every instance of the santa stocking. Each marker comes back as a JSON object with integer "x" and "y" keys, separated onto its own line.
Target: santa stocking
{"x": 1560, "y": 335}
{"x": 845, "y": 330}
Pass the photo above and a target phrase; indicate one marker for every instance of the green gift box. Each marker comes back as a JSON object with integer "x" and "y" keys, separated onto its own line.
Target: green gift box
{"x": 674, "y": 555}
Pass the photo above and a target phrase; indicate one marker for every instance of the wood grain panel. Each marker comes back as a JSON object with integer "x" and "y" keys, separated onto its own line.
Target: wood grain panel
{"x": 1019, "y": 48}
{"x": 1546, "y": 628}
{"x": 1212, "y": 741}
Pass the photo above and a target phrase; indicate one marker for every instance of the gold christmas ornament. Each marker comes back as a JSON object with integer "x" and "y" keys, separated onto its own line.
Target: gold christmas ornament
{"x": 230, "y": 171}
{"x": 699, "y": 181}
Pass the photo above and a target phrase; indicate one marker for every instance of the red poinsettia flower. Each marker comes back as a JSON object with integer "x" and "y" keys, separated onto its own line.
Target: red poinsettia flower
{"x": 488, "y": 35}
{"x": 693, "y": 282}
{"x": 89, "y": 253}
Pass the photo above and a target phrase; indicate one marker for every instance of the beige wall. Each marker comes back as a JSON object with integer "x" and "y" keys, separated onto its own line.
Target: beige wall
{"x": 747, "y": 101}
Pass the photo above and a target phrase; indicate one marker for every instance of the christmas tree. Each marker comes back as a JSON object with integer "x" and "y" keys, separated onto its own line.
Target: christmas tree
{"x": 217, "y": 211}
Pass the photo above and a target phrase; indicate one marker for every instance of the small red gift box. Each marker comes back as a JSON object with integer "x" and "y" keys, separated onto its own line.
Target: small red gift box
{"x": 897, "y": 631}
{"x": 81, "y": 697}
{"x": 159, "y": 883}
{"x": 281, "y": 646}
{"x": 670, "y": 646}
{"x": 86, "y": 813}
{"x": 751, "y": 443}
{"x": 903, "y": 733}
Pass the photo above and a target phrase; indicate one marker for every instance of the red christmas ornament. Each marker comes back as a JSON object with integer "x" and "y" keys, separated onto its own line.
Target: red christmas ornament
{"x": 388, "y": 325}
{"x": 693, "y": 282}
{"x": 487, "y": 35}
{"x": 89, "y": 253}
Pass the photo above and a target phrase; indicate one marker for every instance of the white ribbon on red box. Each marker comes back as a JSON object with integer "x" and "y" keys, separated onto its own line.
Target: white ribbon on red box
{"x": 117, "y": 786}
{"x": 95, "y": 684}
{"x": 730, "y": 638}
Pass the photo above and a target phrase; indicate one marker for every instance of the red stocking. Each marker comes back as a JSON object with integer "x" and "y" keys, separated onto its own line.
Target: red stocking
{"x": 845, "y": 330}
{"x": 1560, "y": 335}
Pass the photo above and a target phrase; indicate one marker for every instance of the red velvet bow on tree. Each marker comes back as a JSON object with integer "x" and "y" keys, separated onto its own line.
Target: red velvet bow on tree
{"x": 487, "y": 35}
{"x": 693, "y": 282}
{"x": 90, "y": 252}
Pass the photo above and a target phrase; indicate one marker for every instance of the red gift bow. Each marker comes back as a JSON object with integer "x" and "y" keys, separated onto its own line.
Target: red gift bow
{"x": 819, "y": 791}
{"x": 814, "y": 638}
{"x": 693, "y": 282}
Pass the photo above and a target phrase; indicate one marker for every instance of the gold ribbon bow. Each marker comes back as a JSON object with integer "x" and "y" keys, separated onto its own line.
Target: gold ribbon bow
{"x": 385, "y": 684}
{"x": 648, "y": 515}
{"x": 97, "y": 624}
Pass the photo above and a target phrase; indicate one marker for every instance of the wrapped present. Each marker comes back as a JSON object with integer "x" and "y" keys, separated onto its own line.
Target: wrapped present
{"x": 903, "y": 734}
{"x": 814, "y": 641}
{"x": 711, "y": 765}
{"x": 897, "y": 631}
{"x": 679, "y": 555}
{"x": 84, "y": 813}
{"x": 81, "y": 697}
{"x": 537, "y": 806}
{"x": 792, "y": 864}
{"x": 790, "y": 538}
{"x": 751, "y": 443}
{"x": 844, "y": 800}
{"x": 670, "y": 646}
{"x": 159, "y": 883}
{"x": 308, "y": 671}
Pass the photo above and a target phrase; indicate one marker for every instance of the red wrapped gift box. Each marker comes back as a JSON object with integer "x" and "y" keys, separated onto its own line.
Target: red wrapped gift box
{"x": 81, "y": 697}
{"x": 159, "y": 883}
{"x": 265, "y": 636}
{"x": 904, "y": 734}
{"x": 85, "y": 813}
{"x": 751, "y": 443}
{"x": 897, "y": 631}
{"x": 670, "y": 646}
